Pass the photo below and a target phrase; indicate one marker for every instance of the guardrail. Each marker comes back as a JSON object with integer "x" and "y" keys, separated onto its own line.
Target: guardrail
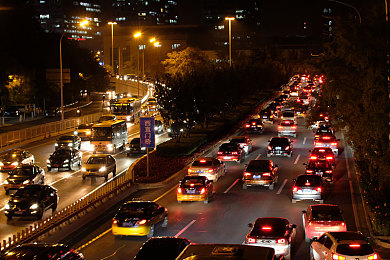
{"x": 13, "y": 138}
{"x": 79, "y": 207}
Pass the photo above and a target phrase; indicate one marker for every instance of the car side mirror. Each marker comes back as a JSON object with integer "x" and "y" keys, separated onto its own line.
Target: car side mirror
{"x": 250, "y": 225}
{"x": 294, "y": 180}
{"x": 309, "y": 151}
{"x": 304, "y": 211}
{"x": 276, "y": 166}
{"x": 314, "y": 239}
{"x": 293, "y": 226}
{"x": 269, "y": 141}
{"x": 338, "y": 139}
{"x": 11, "y": 195}
{"x": 304, "y": 164}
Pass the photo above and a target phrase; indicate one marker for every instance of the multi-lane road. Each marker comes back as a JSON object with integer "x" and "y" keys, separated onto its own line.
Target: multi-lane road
{"x": 225, "y": 219}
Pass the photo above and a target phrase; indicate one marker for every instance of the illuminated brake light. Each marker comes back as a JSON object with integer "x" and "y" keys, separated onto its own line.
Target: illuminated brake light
{"x": 333, "y": 144}
{"x": 203, "y": 191}
{"x": 247, "y": 125}
{"x": 373, "y": 257}
{"x": 295, "y": 189}
{"x": 329, "y": 157}
{"x": 190, "y": 170}
{"x": 294, "y": 127}
{"x": 247, "y": 174}
{"x": 267, "y": 174}
{"x": 251, "y": 240}
{"x": 281, "y": 241}
{"x": 354, "y": 245}
{"x": 179, "y": 190}
{"x": 280, "y": 127}
{"x": 328, "y": 171}
{"x": 114, "y": 221}
{"x": 258, "y": 125}
{"x": 266, "y": 228}
{"x": 326, "y": 137}
{"x": 313, "y": 157}
{"x": 269, "y": 147}
{"x": 234, "y": 153}
{"x": 202, "y": 161}
{"x": 142, "y": 222}
{"x": 309, "y": 171}
{"x": 317, "y": 143}
{"x": 210, "y": 170}
{"x": 192, "y": 184}
{"x": 337, "y": 257}
{"x": 319, "y": 189}
{"x": 219, "y": 152}
{"x": 287, "y": 148}
{"x": 307, "y": 184}
{"x": 321, "y": 115}
{"x": 254, "y": 123}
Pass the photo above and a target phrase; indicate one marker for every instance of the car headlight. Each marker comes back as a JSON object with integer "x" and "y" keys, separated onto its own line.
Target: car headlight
{"x": 1, "y": 164}
{"x": 56, "y": 144}
{"x": 70, "y": 144}
{"x": 156, "y": 128}
{"x": 88, "y": 132}
{"x": 66, "y": 161}
{"x": 5, "y": 182}
{"x": 169, "y": 130}
{"x": 34, "y": 206}
{"x": 103, "y": 169}
{"x": 83, "y": 169}
{"x": 26, "y": 182}
{"x": 7, "y": 206}
{"x": 47, "y": 161}
{"x": 15, "y": 163}
{"x": 75, "y": 133}
{"x": 109, "y": 147}
{"x": 127, "y": 148}
{"x": 128, "y": 118}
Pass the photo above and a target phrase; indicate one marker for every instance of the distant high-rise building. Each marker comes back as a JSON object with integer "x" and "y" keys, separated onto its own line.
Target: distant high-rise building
{"x": 144, "y": 12}
{"x": 64, "y": 16}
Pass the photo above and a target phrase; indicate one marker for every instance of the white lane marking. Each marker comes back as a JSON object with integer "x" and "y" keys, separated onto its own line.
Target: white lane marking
{"x": 281, "y": 187}
{"x": 304, "y": 140}
{"x": 65, "y": 177}
{"x": 231, "y": 186}
{"x": 258, "y": 156}
{"x": 185, "y": 228}
{"x": 296, "y": 160}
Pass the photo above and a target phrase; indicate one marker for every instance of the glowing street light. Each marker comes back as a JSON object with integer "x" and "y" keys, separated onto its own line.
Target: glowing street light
{"x": 230, "y": 19}
{"x": 137, "y": 35}
{"x": 112, "y": 44}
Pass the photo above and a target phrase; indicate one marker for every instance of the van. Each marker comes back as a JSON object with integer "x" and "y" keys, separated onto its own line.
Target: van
{"x": 226, "y": 251}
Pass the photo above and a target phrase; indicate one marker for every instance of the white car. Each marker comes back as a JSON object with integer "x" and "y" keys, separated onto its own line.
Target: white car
{"x": 244, "y": 142}
{"x": 210, "y": 167}
{"x": 348, "y": 245}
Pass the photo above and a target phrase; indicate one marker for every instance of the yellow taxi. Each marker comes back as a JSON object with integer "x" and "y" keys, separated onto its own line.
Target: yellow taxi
{"x": 195, "y": 188}
{"x": 139, "y": 218}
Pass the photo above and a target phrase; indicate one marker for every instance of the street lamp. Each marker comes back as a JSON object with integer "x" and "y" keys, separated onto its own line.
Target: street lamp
{"x": 112, "y": 44}
{"x": 230, "y": 19}
{"x": 137, "y": 35}
{"x": 83, "y": 23}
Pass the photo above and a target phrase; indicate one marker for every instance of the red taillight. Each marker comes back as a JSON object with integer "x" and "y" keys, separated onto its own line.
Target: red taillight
{"x": 328, "y": 171}
{"x": 294, "y": 127}
{"x": 321, "y": 115}
{"x": 287, "y": 148}
{"x": 247, "y": 125}
{"x": 202, "y": 161}
{"x": 313, "y": 157}
{"x": 316, "y": 136}
{"x": 203, "y": 191}
{"x": 318, "y": 143}
{"x": 219, "y": 152}
{"x": 309, "y": 171}
{"x": 269, "y": 147}
{"x": 329, "y": 157}
{"x": 141, "y": 222}
{"x": 210, "y": 170}
{"x": 114, "y": 221}
{"x": 280, "y": 127}
{"x": 319, "y": 189}
{"x": 354, "y": 245}
{"x": 307, "y": 184}
{"x": 267, "y": 174}
{"x": 192, "y": 184}
{"x": 251, "y": 240}
{"x": 234, "y": 153}
{"x": 266, "y": 228}
{"x": 258, "y": 125}
{"x": 179, "y": 190}
{"x": 373, "y": 257}
{"x": 295, "y": 189}
{"x": 281, "y": 241}
{"x": 333, "y": 144}
{"x": 254, "y": 123}
{"x": 190, "y": 170}
{"x": 247, "y": 174}
{"x": 326, "y": 137}
{"x": 342, "y": 223}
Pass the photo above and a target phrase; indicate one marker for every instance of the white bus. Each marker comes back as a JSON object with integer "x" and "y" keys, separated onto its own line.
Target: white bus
{"x": 108, "y": 136}
{"x": 126, "y": 108}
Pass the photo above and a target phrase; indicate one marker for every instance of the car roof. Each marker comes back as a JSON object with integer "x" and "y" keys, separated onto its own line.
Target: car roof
{"x": 205, "y": 158}
{"x": 348, "y": 235}
{"x": 324, "y": 207}
{"x": 99, "y": 155}
{"x": 238, "y": 137}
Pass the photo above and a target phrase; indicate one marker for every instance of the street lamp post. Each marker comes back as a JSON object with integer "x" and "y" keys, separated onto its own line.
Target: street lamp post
{"x": 354, "y": 8}
{"x": 230, "y": 19}
{"x": 136, "y": 36}
{"x": 112, "y": 44}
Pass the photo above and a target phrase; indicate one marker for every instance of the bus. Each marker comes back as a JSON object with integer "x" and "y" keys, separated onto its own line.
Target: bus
{"x": 126, "y": 108}
{"x": 108, "y": 136}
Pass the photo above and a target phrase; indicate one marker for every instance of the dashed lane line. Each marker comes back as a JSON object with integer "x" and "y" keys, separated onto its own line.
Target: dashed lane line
{"x": 185, "y": 228}
{"x": 231, "y": 186}
{"x": 281, "y": 187}
{"x": 296, "y": 160}
{"x": 258, "y": 156}
{"x": 304, "y": 140}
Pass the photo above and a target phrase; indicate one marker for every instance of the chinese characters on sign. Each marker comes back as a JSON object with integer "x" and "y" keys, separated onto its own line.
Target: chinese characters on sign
{"x": 147, "y": 132}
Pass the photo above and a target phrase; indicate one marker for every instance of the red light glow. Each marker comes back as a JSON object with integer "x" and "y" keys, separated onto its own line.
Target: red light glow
{"x": 202, "y": 161}
{"x": 142, "y": 222}
{"x": 179, "y": 190}
{"x": 266, "y": 228}
{"x": 251, "y": 240}
{"x": 354, "y": 245}
{"x": 281, "y": 241}
{"x": 267, "y": 174}
{"x": 203, "y": 191}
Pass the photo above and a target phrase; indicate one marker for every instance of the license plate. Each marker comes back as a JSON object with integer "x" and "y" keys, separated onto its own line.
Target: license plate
{"x": 306, "y": 191}
{"x": 55, "y": 165}
{"x": 191, "y": 191}
{"x": 264, "y": 116}
{"x": 126, "y": 224}
{"x": 278, "y": 148}
{"x": 227, "y": 157}
{"x": 256, "y": 176}
{"x": 18, "y": 212}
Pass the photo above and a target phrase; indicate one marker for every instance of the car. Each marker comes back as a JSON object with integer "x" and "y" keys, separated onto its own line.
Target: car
{"x": 195, "y": 188}
{"x": 255, "y": 126}
{"x": 328, "y": 140}
{"x": 31, "y": 200}
{"x": 176, "y": 129}
{"x": 210, "y": 167}
{"x": 14, "y": 158}
{"x": 152, "y": 104}
{"x": 287, "y": 127}
{"x": 322, "y": 153}
{"x": 342, "y": 245}
{"x": 285, "y": 96}
{"x": 24, "y": 175}
{"x": 308, "y": 187}
{"x": 266, "y": 115}
{"x": 277, "y": 104}
{"x": 321, "y": 218}
{"x": 260, "y": 173}
{"x": 288, "y": 115}
{"x": 68, "y": 142}
{"x": 162, "y": 248}
{"x": 99, "y": 165}
{"x": 41, "y": 251}
{"x": 322, "y": 168}
{"x": 231, "y": 152}
{"x": 144, "y": 109}
{"x": 84, "y": 131}
{"x": 244, "y": 142}
{"x": 322, "y": 130}
{"x": 107, "y": 117}
{"x": 64, "y": 158}
{"x": 134, "y": 147}
{"x": 139, "y": 218}
{"x": 294, "y": 90}
{"x": 276, "y": 233}
{"x": 304, "y": 98}
{"x": 158, "y": 127}
{"x": 280, "y": 146}
{"x": 226, "y": 251}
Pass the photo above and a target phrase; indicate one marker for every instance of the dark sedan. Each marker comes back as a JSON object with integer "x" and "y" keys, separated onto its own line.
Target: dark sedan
{"x": 168, "y": 248}
{"x": 23, "y": 175}
{"x": 64, "y": 158}
{"x": 255, "y": 126}
{"x": 322, "y": 168}
{"x": 31, "y": 200}
{"x": 41, "y": 251}
{"x": 280, "y": 146}
{"x": 68, "y": 142}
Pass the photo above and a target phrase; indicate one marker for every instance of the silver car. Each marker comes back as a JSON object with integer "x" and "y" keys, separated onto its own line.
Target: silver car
{"x": 308, "y": 187}
{"x": 210, "y": 167}
{"x": 99, "y": 165}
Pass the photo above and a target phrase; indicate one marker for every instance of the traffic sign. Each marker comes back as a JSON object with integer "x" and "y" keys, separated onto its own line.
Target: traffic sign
{"x": 147, "y": 132}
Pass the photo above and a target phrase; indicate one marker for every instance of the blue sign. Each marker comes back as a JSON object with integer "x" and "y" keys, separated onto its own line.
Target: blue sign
{"x": 147, "y": 132}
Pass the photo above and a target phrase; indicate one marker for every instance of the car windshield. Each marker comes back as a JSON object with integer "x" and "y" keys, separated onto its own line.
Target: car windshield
{"x": 11, "y": 156}
{"x": 135, "y": 141}
{"x": 308, "y": 180}
{"x": 193, "y": 182}
{"x": 84, "y": 127}
{"x": 65, "y": 138}
{"x": 287, "y": 123}
{"x": 288, "y": 114}
{"x": 133, "y": 210}
{"x": 202, "y": 162}
{"x": 270, "y": 227}
{"x": 229, "y": 147}
{"x": 22, "y": 171}
{"x": 258, "y": 166}
{"x": 326, "y": 214}
{"x": 102, "y": 133}
{"x": 96, "y": 160}
{"x": 28, "y": 192}
{"x": 279, "y": 142}
{"x": 355, "y": 249}
{"x": 319, "y": 164}
{"x": 238, "y": 140}
{"x": 62, "y": 153}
